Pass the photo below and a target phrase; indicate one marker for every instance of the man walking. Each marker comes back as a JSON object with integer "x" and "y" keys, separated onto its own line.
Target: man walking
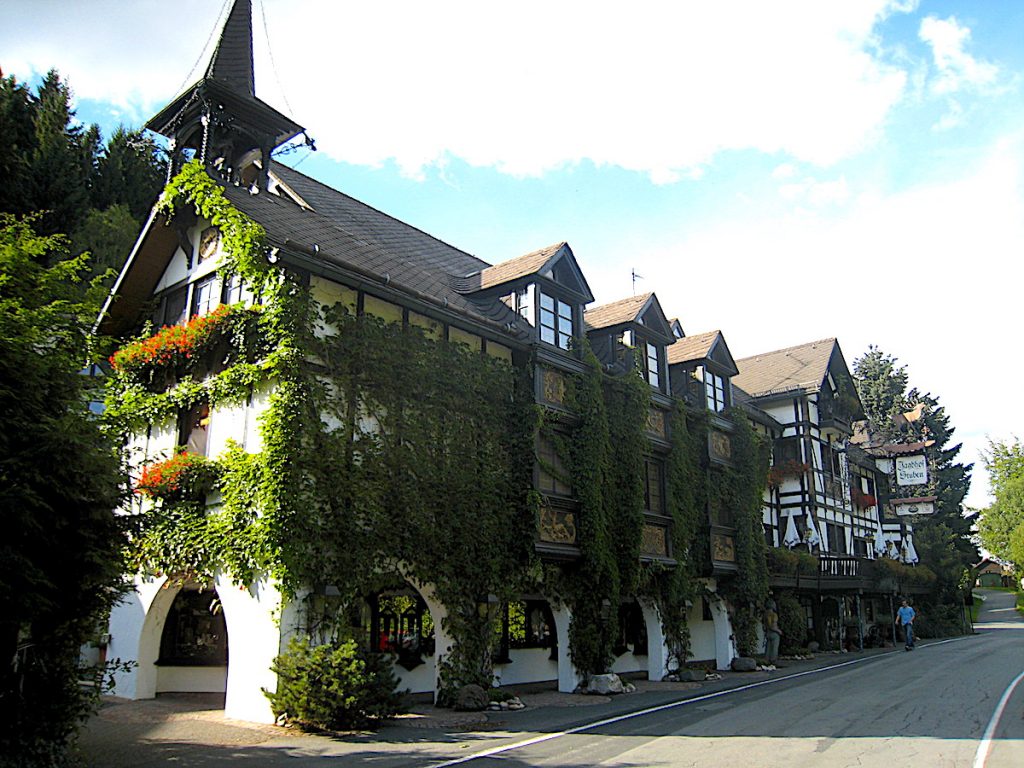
{"x": 905, "y": 618}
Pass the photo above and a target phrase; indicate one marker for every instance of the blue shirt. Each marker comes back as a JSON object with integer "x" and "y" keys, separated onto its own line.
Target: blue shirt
{"x": 906, "y": 614}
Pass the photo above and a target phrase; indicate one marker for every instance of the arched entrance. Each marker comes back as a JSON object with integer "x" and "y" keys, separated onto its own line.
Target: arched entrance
{"x": 193, "y": 649}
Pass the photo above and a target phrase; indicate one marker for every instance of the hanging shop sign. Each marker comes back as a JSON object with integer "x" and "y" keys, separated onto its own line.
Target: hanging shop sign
{"x": 922, "y": 505}
{"x": 912, "y": 470}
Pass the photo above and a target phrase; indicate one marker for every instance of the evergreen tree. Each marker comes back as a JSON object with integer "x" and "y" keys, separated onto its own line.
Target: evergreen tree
{"x": 130, "y": 172}
{"x": 943, "y": 540}
{"x": 62, "y": 165}
{"x": 882, "y": 386}
{"x": 17, "y": 144}
{"x": 99, "y": 194}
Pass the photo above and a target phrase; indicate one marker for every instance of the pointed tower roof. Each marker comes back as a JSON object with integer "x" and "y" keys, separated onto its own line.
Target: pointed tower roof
{"x": 232, "y": 62}
{"x": 220, "y": 116}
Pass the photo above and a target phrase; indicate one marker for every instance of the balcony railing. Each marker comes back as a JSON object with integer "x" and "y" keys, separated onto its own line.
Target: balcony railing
{"x": 839, "y": 566}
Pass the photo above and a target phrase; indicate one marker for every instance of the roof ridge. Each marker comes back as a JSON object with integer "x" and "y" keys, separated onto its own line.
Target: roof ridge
{"x": 832, "y": 339}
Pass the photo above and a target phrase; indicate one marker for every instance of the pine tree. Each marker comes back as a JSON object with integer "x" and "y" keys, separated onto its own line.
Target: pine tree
{"x": 17, "y": 145}
{"x": 944, "y": 540}
{"x": 62, "y": 166}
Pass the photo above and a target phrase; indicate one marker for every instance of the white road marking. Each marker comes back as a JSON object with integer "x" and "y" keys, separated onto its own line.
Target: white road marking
{"x": 986, "y": 740}
{"x": 671, "y": 705}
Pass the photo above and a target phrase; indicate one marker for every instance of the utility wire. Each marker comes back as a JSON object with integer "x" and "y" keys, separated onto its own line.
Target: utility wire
{"x": 206, "y": 46}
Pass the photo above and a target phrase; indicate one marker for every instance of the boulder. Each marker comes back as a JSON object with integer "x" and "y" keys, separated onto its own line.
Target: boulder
{"x": 690, "y": 675}
{"x": 744, "y": 664}
{"x": 605, "y": 684}
{"x": 813, "y": 646}
{"x": 471, "y": 698}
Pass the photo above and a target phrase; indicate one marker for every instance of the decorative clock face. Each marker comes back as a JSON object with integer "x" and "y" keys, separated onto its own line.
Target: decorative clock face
{"x": 208, "y": 242}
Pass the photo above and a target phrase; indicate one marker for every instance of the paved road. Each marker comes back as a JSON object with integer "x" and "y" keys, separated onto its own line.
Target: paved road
{"x": 927, "y": 708}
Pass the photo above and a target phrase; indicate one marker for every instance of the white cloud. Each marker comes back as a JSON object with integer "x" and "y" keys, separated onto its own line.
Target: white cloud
{"x": 816, "y": 193}
{"x": 932, "y": 274}
{"x": 524, "y": 88}
{"x": 956, "y": 69}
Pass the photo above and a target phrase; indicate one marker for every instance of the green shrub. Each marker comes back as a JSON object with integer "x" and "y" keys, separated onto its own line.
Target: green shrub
{"x": 938, "y": 621}
{"x": 792, "y": 622}
{"x": 333, "y": 687}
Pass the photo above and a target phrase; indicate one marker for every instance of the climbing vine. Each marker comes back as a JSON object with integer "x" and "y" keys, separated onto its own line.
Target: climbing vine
{"x": 740, "y": 488}
{"x": 385, "y": 453}
{"x": 675, "y": 589}
{"x": 382, "y": 450}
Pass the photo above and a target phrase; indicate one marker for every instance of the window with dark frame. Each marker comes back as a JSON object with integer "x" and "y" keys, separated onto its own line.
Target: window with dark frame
{"x": 836, "y": 538}
{"x": 652, "y": 365}
{"x": 235, "y": 291}
{"x": 654, "y": 495}
{"x": 714, "y": 390}
{"x": 551, "y": 474}
{"x": 171, "y": 310}
{"x": 555, "y": 320}
{"x": 523, "y": 624}
{"x": 786, "y": 449}
{"x": 205, "y": 297}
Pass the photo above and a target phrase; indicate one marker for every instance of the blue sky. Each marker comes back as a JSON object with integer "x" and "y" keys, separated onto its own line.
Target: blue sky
{"x": 783, "y": 171}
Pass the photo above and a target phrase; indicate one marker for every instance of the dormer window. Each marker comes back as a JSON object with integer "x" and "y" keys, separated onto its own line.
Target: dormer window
{"x": 715, "y": 389}
{"x": 555, "y": 320}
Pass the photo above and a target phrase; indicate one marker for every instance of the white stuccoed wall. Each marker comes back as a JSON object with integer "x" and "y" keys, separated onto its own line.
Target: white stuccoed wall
{"x": 135, "y": 636}
{"x": 254, "y": 617}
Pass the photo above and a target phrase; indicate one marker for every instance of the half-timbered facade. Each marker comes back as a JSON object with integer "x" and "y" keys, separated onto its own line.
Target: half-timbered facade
{"x": 825, "y": 494}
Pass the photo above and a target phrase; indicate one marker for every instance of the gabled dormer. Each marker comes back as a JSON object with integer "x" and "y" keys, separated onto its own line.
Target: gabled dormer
{"x": 629, "y": 332}
{"x": 545, "y": 288}
{"x": 219, "y": 120}
{"x": 702, "y": 368}
{"x": 814, "y": 374}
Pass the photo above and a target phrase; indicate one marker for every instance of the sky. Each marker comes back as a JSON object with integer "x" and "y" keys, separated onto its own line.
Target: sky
{"x": 784, "y": 171}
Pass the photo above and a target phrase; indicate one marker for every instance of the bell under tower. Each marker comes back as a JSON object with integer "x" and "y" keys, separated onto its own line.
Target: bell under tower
{"x": 219, "y": 120}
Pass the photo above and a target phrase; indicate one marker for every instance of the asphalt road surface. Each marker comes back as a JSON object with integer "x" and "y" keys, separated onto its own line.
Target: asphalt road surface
{"x": 930, "y": 707}
{"x": 950, "y": 703}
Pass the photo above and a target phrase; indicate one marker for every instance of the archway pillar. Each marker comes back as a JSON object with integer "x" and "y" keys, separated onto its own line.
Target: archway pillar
{"x": 569, "y": 677}
{"x": 136, "y": 624}
{"x": 725, "y": 644}
{"x": 443, "y": 642}
{"x": 657, "y": 647}
{"x": 254, "y": 616}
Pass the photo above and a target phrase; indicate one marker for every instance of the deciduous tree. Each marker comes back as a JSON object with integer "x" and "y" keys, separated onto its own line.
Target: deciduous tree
{"x": 60, "y": 481}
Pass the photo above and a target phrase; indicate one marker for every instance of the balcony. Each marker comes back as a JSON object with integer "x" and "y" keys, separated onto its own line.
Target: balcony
{"x": 833, "y": 572}
{"x": 839, "y": 567}
{"x": 838, "y": 414}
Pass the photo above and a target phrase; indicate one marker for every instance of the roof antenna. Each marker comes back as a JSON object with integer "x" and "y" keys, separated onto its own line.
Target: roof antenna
{"x": 636, "y": 277}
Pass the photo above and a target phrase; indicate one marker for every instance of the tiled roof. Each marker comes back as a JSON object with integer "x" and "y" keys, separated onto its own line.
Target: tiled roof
{"x": 690, "y": 349}
{"x": 513, "y": 269}
{"x": 618, "y": 312}
{"x": 800, "y": 368}
{"x": 348, "y": 233}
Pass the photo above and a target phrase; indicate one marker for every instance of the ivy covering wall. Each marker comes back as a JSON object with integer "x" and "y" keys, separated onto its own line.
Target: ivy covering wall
{"x": 385, "y": 451}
